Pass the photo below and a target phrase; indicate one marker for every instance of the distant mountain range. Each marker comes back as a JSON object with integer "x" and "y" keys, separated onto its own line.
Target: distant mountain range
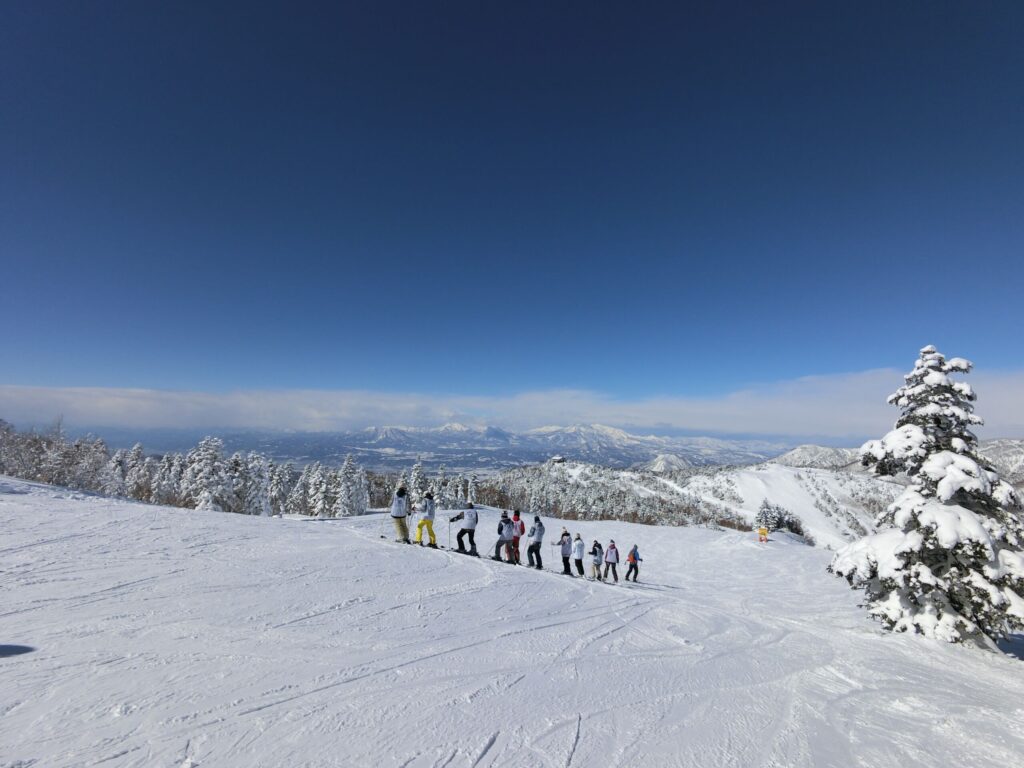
{"x": 462, "y": 448}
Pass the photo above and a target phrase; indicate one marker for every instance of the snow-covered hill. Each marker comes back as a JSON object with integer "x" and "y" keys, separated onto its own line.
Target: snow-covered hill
{"x": 1008, "y": 457}
{"x": 818, "y": 456}
{"x": 178, "y": 638}
{"x": 833, "y": 507}
{"x": 666, "y": 462}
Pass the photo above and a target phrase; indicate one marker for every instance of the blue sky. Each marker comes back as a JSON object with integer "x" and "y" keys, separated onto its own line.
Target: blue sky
{"x": 640, "y": 201}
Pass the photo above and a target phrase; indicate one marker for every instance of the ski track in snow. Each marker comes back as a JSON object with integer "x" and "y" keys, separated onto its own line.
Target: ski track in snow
{"x": 176, "y": 638}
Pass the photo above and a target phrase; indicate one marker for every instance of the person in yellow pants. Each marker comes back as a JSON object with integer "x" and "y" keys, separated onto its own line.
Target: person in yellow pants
{"x": 427, "y": 521}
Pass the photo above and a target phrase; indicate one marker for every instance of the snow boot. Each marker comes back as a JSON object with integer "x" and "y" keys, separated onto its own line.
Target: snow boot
{"x": 497, "y": 558}
{"x": 432, "y": 546}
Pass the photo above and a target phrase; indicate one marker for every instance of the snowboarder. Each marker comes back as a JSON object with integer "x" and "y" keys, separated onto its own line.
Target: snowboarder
{"x": 504, "y": 539}
{"x": 536, "y": 537}
{"x": 577, "y": 553}
{"x": 611, "y": 560}
{"x": 634, "y": 560}
{"x": 566, "y": 543}
{"x": 470, "y": 517}
{"x": 518, "y": 529}
{"x": 427, "y": 521}
{"x": 596, "y": 558}
{"x": 399, "y": 511}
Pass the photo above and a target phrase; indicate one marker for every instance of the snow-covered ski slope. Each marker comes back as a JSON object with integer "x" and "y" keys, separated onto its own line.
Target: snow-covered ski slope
{"x": 834, "y": 507}
{"x": 167, "y": 637}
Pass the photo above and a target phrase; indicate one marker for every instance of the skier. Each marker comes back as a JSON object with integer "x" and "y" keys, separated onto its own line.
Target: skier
{"x": 566, "y": 543}
{"x": 427, "y": 521}
{"x": 518, "y": 529}
{"x": 536, "y": 537}
{"x": 611, "y": 560}
{"x": 577, "y": 553}
{"x": 470, "y": 517}
{"x": 634, "y": 560}
{"x": 399, "y": 511}
{"x": 504, "y": 539}
{"x": 596, "y": 558}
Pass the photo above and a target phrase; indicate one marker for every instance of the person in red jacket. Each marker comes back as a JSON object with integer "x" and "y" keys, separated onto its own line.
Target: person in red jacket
{"x": 518, "y": 530}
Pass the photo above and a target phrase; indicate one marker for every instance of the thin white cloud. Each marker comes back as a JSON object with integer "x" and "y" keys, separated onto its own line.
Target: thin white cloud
{"x": 836, "y": 406}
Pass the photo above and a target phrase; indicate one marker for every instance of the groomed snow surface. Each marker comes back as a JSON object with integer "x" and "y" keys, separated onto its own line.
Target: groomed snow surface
{"x": 165, "y": 637}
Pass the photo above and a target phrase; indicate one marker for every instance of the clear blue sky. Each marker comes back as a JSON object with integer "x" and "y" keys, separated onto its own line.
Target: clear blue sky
{"x": 488, "y": 198}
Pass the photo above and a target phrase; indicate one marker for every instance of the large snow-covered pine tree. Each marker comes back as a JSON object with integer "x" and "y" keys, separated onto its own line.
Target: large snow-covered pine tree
{"x": 946, "y": 560}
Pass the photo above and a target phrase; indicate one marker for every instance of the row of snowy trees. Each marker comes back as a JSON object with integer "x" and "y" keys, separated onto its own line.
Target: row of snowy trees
{"x": 776, "y": 517}
{"x": 323, "y": 492}
{"x": 946, "y": 559}
{"x": 449, "y": 492}
{"x": 587, "y": 492}
{"x": 204, "y": 478}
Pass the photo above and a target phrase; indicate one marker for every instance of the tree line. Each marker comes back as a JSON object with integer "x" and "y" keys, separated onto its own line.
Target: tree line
{"x": 204, "y": 478}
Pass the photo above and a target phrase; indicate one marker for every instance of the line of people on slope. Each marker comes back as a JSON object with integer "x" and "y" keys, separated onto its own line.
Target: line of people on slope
{"x": 572, "y": 548}
{"x": 510, "y": 532}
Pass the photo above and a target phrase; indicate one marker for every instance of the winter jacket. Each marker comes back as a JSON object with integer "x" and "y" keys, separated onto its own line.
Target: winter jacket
{"x": 505, "y": 529}
{"x": 518, "y": 528}
{"x": 428, "y": 509}
{"x": 399, "y": 506}
{"x": 634, "y": 556}
{"x": 577, "y": 549}
{"x": 598, "y": 554}
{"x": 566, "y": 545}
{"x": 536, "y": 534}
{"x": 469, "y": 519}
{"x": 611, "y": 555}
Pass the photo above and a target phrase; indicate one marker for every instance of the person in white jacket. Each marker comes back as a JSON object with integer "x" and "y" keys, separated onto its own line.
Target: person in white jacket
{"x": 426, "y": 521}
{"x": 611, "y": 560}
{"x": 399, "y": 511}
{"x": 469, "y": 518}
{"x": 577, "y": 553}
{"x": 536, "y": 538}
{"x": 504, "y": 540}
{"x": 566, "y": 548}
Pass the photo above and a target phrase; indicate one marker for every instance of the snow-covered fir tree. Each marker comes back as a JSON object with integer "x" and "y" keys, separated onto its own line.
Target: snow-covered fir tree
{"x": 113, "y": 483}
{"x": 167, "y": 483}
{"x": 442, "y": 494}
{"x": 319, "y": 505}
{"x": 348, "y": 480}
{"x": 257, "y": 485}
{"x": 281, "y": 476}
{"x": 946, "y": 561}
{"x": 205, "y": 484}
{"x": 471, "y": 488}
{"x": 298, "y": 497}
{"x": 768, "y": 516}
{"x": 418, "y": 483}
{"x": 137, "y": 482}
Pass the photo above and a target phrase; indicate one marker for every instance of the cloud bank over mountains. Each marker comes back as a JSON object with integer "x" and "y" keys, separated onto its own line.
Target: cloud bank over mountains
{"x": 834, "y": 406}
